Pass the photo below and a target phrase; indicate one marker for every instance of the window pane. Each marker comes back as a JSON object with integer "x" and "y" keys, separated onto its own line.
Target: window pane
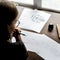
{"x": 23, "y": 1}
{"x": 51, "y": 4}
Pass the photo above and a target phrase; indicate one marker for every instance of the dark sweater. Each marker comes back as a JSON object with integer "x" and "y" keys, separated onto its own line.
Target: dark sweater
{"x": 16, "y": 51}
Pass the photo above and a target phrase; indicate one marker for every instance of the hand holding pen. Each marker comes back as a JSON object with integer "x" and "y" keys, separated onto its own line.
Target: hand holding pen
{"x": 17, "y": 31}
{"x": 16, "y": 34}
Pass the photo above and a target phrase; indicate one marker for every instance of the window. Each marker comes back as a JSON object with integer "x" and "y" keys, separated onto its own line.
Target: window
{"x": 48, "y": 4}
{"x": 23, "y": 1}
{"x": 51, "y": 4}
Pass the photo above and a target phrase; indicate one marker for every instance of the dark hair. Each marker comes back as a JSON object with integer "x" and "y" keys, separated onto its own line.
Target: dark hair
{"x": 8, "y": 12}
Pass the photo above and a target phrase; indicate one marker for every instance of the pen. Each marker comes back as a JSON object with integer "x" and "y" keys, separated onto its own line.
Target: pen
{"x": 23, "y": 34}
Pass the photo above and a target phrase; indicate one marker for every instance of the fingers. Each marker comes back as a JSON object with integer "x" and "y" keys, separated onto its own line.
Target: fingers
{"x": 16, "y": 32}
{"x": 18, "y": 28}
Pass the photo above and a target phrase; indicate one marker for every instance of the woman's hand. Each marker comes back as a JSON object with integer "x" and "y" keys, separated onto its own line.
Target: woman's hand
{"x": 16, "y": 34}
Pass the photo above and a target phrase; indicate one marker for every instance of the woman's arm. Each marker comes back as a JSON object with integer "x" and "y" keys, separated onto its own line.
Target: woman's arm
{"x": 20, "y": 43}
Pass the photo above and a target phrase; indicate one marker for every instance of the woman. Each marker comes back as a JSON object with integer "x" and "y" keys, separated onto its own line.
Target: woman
{"x": 8, "y": 19}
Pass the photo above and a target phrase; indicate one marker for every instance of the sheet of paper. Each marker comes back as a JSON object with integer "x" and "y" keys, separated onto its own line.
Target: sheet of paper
{"x": 33, "y": 19}
{"x": 42, "y": 45}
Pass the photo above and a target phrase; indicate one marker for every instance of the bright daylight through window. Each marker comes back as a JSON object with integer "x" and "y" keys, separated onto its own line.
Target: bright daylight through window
{"x": 49, "y": 4}
{"x": 24, "y": 1}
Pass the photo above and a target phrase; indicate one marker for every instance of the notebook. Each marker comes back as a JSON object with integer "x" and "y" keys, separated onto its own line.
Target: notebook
{"x": 33, "y": 19}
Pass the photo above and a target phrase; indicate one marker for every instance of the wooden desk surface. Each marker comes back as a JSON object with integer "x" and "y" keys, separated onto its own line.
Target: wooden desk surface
{"x": 55, "y": 19}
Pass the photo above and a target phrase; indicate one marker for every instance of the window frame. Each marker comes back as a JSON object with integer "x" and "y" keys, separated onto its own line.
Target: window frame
{"x": 37, "y": 4}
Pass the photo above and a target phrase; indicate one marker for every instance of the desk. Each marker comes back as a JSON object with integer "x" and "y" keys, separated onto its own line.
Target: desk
{"x": 55, "y": 19}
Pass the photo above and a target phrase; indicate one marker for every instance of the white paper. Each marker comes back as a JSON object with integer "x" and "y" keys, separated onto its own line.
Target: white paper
{"x": 33, "y": 19}
{"x": 42, "y": 45}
